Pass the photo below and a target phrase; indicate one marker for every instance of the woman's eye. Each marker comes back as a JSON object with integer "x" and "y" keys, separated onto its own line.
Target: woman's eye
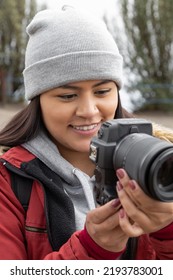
{"x": 67, "y": 97}
{"x": 103, "y": 91}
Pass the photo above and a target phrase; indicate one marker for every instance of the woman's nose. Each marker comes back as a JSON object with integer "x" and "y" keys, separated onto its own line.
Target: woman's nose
{"x": 87, "y": 108}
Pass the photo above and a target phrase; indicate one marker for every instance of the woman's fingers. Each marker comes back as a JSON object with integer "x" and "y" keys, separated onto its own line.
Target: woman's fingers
{"x": 100, "y": 214}
{"x": 129, "y": 228}
{"x": 140, "y": 198}
{"x": 150, "y": 214}
{"x": 132, "y": 210}
{"x": 102, "y": 225}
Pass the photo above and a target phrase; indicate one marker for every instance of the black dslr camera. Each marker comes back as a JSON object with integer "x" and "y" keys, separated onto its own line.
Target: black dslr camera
{"x": 129, "y": 144}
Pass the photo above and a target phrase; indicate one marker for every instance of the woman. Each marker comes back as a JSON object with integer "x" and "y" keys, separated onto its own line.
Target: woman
{"x": 72, "y": 76}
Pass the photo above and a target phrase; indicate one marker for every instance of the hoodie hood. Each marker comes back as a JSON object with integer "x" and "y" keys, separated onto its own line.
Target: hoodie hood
{"x": 43, "y": 148}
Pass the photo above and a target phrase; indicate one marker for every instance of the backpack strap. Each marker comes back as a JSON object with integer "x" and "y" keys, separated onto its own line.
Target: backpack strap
{"x": 22, "y": 188}
{"x": 21, "y": 183}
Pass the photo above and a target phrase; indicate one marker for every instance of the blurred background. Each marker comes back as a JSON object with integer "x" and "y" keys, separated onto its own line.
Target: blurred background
{"x": 143, "y": 31}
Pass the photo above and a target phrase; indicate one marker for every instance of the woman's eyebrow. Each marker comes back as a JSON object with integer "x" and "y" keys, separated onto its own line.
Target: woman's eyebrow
{"x": 68, "y": 86}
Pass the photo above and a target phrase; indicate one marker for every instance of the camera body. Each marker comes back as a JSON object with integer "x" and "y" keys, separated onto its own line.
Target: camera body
{"x": 129, "y": 144}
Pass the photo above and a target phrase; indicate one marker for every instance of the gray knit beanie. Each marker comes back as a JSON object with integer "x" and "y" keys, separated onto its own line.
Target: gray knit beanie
{"x": 68, "y": 45}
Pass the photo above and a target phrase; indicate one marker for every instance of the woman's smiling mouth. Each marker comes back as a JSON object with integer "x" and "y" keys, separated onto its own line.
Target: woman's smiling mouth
{"x": 86, "y": 129}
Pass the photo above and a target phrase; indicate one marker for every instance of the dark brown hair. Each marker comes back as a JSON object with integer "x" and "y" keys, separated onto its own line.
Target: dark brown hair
{"x": 26, "y": 124}
{"x": 121, "y": 112}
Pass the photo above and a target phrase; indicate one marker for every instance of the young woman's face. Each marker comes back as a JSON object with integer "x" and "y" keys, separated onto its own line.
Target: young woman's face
{"x": 74, "y": 113}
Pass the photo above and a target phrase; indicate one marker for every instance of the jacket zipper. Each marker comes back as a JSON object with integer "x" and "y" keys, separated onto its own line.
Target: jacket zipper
{"x": 34, "y": 229}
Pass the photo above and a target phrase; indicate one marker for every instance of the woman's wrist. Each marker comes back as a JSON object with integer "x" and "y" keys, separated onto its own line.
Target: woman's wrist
{"x": 94, "y": 250}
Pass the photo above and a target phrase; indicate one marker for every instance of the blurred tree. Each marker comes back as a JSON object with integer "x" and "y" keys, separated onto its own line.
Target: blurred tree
{"x": 149, "y": 28}
{"x": 14, "y": 16}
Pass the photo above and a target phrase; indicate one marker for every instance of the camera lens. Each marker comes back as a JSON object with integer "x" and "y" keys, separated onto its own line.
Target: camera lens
{"x": 149, "y": 161}
{"x": 161, "y": 176}
{"x": 165, "y": 173}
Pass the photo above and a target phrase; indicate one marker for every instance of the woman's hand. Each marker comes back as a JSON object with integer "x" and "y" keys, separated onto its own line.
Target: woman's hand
{"x": 102, "y": 225}
{"x": 140, "y": 213}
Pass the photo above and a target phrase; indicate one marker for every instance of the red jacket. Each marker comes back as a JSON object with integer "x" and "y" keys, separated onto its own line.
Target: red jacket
{"x": 26, "y": 237}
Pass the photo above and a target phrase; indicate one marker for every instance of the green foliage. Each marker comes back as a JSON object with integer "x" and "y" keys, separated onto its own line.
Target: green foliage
{"x": 149, "y": 29}
{"x": 14, "y": 16}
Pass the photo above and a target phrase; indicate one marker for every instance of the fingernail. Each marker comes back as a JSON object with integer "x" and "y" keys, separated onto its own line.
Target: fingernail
{"x": 115, "y": 202}
{"x": 132, "y": 185}
{"x": 122, "y": 213}
{"x": 120, "y": 173}
{"x": 119, "y": 186}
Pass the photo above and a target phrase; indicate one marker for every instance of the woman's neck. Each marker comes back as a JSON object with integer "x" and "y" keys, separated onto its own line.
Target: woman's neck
{"x": 80, "y": 161}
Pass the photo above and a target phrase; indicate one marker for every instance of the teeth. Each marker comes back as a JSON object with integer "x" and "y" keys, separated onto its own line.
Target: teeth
{"x": 86, "y": 127}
